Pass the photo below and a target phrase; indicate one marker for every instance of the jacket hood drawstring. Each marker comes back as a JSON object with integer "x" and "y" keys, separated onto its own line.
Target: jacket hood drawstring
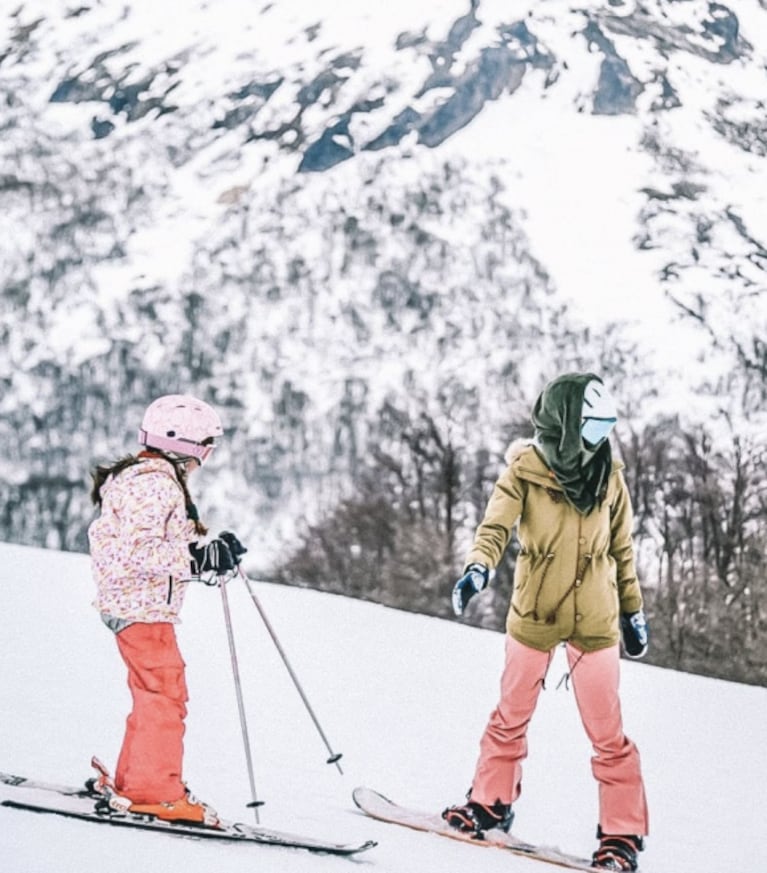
{"x": 565, "y": 680}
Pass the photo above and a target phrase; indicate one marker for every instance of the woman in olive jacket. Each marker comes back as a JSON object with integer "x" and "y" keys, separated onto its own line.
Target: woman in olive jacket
{"x": 574, "y": 583}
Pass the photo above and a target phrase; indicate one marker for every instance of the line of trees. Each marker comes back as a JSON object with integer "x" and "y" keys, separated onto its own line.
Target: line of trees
{"x": 701, "y": 537}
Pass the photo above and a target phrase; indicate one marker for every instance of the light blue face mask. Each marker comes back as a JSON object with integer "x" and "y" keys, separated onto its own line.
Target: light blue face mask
{"x": 595, "y": 430}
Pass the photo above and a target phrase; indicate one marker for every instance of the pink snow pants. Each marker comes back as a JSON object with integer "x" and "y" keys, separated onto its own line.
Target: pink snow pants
{"x": 615, "y": 765}
{"x": 149, "y": 766}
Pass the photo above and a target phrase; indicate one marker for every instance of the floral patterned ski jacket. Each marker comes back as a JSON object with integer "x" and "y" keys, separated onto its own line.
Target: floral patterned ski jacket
{"x": 139, "y": 544}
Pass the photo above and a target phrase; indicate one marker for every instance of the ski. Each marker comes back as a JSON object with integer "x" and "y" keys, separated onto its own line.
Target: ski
{"x": 379, "y": 807}
{"x": 18, "y": 792}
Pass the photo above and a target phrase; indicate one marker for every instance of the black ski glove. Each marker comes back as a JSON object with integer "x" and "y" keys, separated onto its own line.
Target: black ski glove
{"x": 472, "y": 582}
{"x": 213, "y": 556}
{"x": 635, "y": 634}
{"x": 235, "y": 546}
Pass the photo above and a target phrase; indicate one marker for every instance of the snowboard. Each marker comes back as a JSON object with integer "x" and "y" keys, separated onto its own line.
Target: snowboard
{"x": 377, "y": 806}
{"x": 18, "y": 792}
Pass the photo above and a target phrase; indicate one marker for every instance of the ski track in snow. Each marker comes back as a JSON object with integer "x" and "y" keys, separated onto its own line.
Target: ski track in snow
{"x": 403, "y": 696}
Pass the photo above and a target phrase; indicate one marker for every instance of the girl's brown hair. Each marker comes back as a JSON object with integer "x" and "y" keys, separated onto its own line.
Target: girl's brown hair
{"x": 104, "y": 471}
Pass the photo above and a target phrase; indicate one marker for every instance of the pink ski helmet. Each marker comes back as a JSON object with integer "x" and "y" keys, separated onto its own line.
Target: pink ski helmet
{"x": 181, "y": 424}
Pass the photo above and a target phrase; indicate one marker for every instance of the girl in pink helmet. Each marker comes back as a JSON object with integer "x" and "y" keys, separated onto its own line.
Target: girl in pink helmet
{"x": 145, "y": 548}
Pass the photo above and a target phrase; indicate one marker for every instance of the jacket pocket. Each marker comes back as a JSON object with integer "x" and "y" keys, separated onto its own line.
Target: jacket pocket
{"x": 605, "y": 600}
{"x": 529, "y": 585}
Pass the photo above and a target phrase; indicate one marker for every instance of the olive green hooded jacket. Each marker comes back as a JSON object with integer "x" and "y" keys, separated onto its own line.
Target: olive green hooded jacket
{"x": 575, "y": 573}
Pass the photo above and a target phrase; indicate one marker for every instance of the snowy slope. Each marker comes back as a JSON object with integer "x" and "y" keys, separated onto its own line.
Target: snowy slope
{"x": 402, "y": 696}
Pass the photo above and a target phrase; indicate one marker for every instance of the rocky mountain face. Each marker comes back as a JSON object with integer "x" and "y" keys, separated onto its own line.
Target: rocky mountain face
{"x": 366, "y": 234}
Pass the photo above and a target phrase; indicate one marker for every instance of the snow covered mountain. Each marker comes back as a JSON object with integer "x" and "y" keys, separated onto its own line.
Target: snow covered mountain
{"x": 643, "y": 120}
{"x": 313, "y": 214}
{"x": 406, "y": 725}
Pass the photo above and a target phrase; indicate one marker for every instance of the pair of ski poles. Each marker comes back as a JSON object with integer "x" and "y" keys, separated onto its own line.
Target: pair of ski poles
{"x": 334, "y": 756}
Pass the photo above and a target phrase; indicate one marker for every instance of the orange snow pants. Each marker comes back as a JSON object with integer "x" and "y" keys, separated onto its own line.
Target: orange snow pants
{"x": 149, "y": 766}
{"x": 615, "y": 765}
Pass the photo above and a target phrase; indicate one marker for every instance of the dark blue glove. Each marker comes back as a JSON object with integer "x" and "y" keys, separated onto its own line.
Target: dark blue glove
{"x": 635, "y": 634}
{"x": 235, "y": 546}
{"x": 472, "y": 582}
{"x": 213, "y": 556}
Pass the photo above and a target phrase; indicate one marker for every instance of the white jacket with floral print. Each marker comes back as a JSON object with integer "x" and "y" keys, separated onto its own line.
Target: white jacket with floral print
{"x": 139, "y": 544}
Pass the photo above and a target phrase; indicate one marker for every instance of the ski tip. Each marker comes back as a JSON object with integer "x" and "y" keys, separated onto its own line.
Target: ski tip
{"x": 362, "y": 796}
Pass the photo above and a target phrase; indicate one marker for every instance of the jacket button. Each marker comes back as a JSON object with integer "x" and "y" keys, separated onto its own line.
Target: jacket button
{"x": 578, "y": 616}
{"x": 582, "y": 540}
{"x": 578, "y": 583}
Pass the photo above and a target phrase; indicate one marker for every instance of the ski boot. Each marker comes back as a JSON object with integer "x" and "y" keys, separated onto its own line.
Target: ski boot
{"x": 109, "y": 801}
{"x": 474, "y": 817}
{"x": 617, "y": 851}
{"x": 186, "y": 809}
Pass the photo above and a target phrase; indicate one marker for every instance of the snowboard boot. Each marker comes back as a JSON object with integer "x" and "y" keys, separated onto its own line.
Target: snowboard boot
{"x": 473, "y": 817}
{"x": 617, "y": 852}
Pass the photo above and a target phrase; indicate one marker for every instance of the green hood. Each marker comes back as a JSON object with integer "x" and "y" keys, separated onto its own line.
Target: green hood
{"x": 557, "y": 420}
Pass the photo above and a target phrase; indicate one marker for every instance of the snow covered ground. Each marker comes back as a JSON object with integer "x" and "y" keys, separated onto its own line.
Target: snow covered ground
{"x": 404, "y": 697}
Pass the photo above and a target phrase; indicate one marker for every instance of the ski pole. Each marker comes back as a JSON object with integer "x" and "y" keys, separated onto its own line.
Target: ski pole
{"x": 255, "y": 803}
{"x": 334, "y": 756}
